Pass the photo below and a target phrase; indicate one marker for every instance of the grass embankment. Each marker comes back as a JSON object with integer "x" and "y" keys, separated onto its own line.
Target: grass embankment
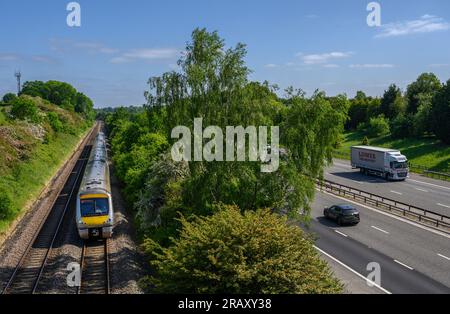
{"x": 426, "y": 152}
{"x": 30, "y": 155}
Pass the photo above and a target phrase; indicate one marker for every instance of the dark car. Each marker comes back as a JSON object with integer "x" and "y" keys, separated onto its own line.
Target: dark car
{"x": 342, "y": 214}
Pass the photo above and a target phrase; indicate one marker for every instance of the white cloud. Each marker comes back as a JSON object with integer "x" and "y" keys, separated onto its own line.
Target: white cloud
{"x": 311, "y": 16}
{"x": 371, "y": 66}
{"x": 9, "y": 57}
{"x": 440, "y": 65}
{"x": 425, "y": 24}
{"x": 146, "y": 54}
{"x": 323, "y": 58}
{"x": 330, "y": 65}
{"x": 270, "y": 65}
{"x": 65, "y": 45}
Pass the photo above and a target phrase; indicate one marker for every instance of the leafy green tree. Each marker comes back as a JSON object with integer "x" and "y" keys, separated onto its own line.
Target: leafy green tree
{"x": 440, "y": 113}
{"x": 392, "y": 103}
{"x": 358, "y": 111}
{"x": 365, "y": 141}
{"x": 426, "y": 84}
{"x": 251, "y": 253}
{"x": 24, "y": 108}
{"x": 402, "y": 126}
{"x": 9, "y": 97}
{"x": 61, "y": 94}
{"x": 35, "y": 89}
{"x": 378, "y": 126}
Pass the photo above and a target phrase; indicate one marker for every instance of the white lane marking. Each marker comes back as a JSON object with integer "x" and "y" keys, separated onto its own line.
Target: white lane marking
{"x": 439, "y": 204}
{"x": 431, "y": 184}
{"x": 395, "y": 192}
{"x": 341, "y": 233}
{"x": 359, "y": 182}
{"x": 421, "y": 190}
{"x": 447, "y": 258}
{"x": 445, "y": 235}
{"x": 379, "y": 229}
{"x": 353, "y": 271}
{"x": 404, "y": 265}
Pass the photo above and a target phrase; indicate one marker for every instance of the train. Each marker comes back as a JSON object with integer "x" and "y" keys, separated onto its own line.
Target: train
{"x": 94, "y": 206}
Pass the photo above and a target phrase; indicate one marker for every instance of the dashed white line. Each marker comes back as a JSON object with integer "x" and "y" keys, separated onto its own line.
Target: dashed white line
{"x": 368, "y": 281}
{"x": 422, "y": 190}
{"x": 446, "y": 206}
{"x": 431, "y": 184}
{"x": 447, "y": 258}
{"x": 412, "y": 223}
{"x": 359, "y": 182}
{"x": 404, "y": 265}
{"x": 341, "y": 233}
{"x": 379, "y": 229}
{"x": 395, "y": 192}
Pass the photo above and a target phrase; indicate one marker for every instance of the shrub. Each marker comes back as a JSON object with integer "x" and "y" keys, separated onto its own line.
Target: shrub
{"x": 251, "y": 253}
{"x": 5, "y": 205}
{"x": 378, "y": 127}
{"x": 365, "y": 141}
{"x": 24, "y": 109}
{"x": 54, "y": 121}
{"x": 9, "y": 97}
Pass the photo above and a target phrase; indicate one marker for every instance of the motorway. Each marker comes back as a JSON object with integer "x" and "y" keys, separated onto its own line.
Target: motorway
{"x": 430, "y": 194}
{"x": 396, "y": 245}
{"x": 413, "y": 258}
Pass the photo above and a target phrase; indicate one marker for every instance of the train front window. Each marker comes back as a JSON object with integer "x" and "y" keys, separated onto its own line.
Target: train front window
{"x": 94, "y": 207}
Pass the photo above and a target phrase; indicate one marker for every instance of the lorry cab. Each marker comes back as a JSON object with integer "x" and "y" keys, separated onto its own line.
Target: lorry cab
{"x": 398, "y": 166}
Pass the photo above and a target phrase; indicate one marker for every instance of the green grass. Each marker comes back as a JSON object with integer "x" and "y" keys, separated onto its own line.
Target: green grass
{"x": 426, "y": 152}
{"x": 25, "y": 181}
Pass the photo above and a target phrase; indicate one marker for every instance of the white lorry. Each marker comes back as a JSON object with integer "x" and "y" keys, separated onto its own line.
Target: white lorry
{"x": 387, "y": 163}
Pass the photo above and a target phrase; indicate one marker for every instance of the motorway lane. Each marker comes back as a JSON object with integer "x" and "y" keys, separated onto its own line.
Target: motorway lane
{"x": 423, "y": 192}
{"x": 383, "y": 239}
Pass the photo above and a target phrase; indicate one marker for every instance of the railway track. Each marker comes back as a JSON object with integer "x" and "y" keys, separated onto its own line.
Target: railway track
{"x": 27, "y": 274}
{"x": 95, "y": 268}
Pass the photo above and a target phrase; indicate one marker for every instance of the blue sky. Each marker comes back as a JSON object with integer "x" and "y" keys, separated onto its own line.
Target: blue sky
{"x": 308, "y": 44}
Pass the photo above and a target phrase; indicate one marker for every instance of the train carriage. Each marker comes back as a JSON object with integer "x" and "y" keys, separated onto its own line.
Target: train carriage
{"x": 94, "y": 208}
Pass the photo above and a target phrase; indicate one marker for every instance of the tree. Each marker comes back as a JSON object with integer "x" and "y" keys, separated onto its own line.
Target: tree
{"x": 251, "y": 253}
{"x": 61, "y": 94}
{"x": 378, "y": 127}
{"x": 392, "y": 103}
{"x": 9, "y": 97}
{"x": 358, "y": 111}
{"x": 426, "y": 84}
{"x": 440, "y": 113}
{"x": 24, "y": 108}
{"x": 35, "y": 89}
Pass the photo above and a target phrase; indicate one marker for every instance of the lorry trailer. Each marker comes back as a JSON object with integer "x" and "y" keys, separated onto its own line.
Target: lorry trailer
{"x": 387, "y": 163}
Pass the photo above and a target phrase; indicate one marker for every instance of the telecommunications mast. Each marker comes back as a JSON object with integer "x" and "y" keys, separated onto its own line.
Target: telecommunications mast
{"x": 18, "y": 75}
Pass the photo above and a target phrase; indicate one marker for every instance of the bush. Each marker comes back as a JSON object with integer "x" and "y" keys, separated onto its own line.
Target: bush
{"x": 5, "y": 206}
{"x": 24, "y": 109}
{"x": 54, "y": 121}
{"x": 365, "y": 141}
{"x": 250, "y": 253}
{"x": 377, "y": 127}
{"x": 9, "y": 97}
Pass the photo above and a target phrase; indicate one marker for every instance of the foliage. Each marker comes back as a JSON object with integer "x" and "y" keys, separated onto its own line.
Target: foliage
{"x": 392, "y": 103}
{"x": 5, "y": 205}
{"x": 402, "y": 126}
{"x": 365, "y": 141}
{"x": 427, "y": 84}
{"x": 61, "y": 94}
{"x": 9, "y": 97}
{"x": 250, "y": 253}
{"x": 378, "y": 126}
{"x": 54, "y": 121}
{"x": 24, "y": 108}
{"x": 440, "y": 113}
